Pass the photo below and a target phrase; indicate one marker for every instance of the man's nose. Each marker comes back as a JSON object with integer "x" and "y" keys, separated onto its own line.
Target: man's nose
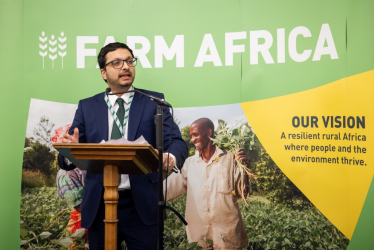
{"x": 125, "y": 66}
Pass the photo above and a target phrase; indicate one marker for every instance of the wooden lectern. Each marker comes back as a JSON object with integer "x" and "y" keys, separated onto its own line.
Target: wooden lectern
{"x": 111, "y": 160}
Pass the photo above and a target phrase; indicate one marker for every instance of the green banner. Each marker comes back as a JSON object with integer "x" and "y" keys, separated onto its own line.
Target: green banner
{"x": 261, "y": 62}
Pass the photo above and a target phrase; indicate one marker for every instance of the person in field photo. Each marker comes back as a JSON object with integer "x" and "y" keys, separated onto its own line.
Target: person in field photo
{"x": 213, "y": 184}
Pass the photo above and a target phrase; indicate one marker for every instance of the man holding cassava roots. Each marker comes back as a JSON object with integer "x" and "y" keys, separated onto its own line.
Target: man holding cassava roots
{"x": 211, "y": 179}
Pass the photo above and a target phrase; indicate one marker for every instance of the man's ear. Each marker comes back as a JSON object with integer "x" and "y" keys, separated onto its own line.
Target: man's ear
{"x": 103, "y": 74}
{"x": 209, "y": 132}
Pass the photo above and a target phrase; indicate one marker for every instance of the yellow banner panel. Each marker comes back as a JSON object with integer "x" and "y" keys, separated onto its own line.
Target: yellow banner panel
{"x": 322, "y": 139}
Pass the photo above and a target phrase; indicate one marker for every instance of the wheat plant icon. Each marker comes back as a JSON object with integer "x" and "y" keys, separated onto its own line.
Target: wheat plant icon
{"x": 62, "y": 47}
{"x": 52, "y": 49}
{"x": 43, "y": 46}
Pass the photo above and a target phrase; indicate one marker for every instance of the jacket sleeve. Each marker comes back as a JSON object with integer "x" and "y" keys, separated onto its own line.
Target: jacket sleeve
{"x": 177, "y": 147}
{"x": 63, "y": 163}
{"x": 78, "y": 122}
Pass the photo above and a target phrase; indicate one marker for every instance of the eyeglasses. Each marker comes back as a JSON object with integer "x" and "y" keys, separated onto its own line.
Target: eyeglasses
{"x": 117, "y": 64}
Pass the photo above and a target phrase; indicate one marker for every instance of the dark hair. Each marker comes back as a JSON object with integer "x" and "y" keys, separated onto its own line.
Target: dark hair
{"x": 205, "y": 124}
{"x": 101, "y": 58}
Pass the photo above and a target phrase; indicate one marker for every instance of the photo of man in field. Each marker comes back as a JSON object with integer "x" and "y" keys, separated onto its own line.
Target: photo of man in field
{"x": 211, "y": 180}
{"x": 275, "y": 216}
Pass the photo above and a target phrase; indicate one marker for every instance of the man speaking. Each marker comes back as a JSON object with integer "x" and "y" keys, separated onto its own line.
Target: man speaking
{"x": 94, "y": 122}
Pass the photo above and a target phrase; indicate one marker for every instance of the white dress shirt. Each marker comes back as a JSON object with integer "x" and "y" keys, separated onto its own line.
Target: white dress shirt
{"x": 125, "y": 181}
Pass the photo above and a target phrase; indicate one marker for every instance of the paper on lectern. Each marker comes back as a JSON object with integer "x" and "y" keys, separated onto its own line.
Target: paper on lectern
{"x": 140, "y": 140}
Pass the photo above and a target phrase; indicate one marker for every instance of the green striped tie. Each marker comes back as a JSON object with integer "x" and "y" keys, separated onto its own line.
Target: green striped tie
{"x": 116, "y": 134}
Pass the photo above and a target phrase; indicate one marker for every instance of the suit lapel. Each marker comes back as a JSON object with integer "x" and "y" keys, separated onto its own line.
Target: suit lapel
{"x": 101, "y": 112}
{"x": 136, "y": 112}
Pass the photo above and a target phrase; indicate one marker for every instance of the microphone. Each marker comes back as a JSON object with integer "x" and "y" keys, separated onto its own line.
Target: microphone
{"x": 153, "y": 98}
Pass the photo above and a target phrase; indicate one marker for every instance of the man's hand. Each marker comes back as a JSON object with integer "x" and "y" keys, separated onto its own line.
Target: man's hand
{"x": 71, "y": 138}
{"x": 242, "y": 156}
{"x": 165, "y": 162}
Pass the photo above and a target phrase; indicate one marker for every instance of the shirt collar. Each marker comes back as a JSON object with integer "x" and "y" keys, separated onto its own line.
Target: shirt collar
{"x": 125, "y": 97}
{"x": 214, "y": 156}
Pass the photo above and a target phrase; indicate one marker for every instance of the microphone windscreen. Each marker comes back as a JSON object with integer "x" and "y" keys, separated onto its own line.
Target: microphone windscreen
{"x": 108, "y": 90}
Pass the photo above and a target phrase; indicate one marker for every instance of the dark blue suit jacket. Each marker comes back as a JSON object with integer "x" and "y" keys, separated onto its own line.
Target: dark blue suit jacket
{"x": 91, "y": 118}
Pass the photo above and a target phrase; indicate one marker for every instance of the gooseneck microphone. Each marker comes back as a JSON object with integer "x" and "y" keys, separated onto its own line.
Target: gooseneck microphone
{"x": 153, "y": 98}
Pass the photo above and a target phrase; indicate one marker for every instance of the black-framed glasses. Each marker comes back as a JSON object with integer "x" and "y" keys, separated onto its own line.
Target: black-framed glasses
{"x": 118, "y": 63}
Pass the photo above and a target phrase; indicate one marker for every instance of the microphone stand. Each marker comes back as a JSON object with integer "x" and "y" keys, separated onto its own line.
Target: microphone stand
{"x": 159, "y": 123}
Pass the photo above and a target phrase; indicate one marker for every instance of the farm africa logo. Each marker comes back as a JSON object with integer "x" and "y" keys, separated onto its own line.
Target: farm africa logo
{"x": 260, "y": 45}
{"x": 53, "y": 47}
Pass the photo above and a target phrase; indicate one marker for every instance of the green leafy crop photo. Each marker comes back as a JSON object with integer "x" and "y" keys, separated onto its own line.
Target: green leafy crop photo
{"x": 44, "y": 217}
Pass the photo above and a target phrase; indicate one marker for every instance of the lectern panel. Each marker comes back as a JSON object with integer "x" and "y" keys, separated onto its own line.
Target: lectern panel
{"x": 129, "y": 158}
